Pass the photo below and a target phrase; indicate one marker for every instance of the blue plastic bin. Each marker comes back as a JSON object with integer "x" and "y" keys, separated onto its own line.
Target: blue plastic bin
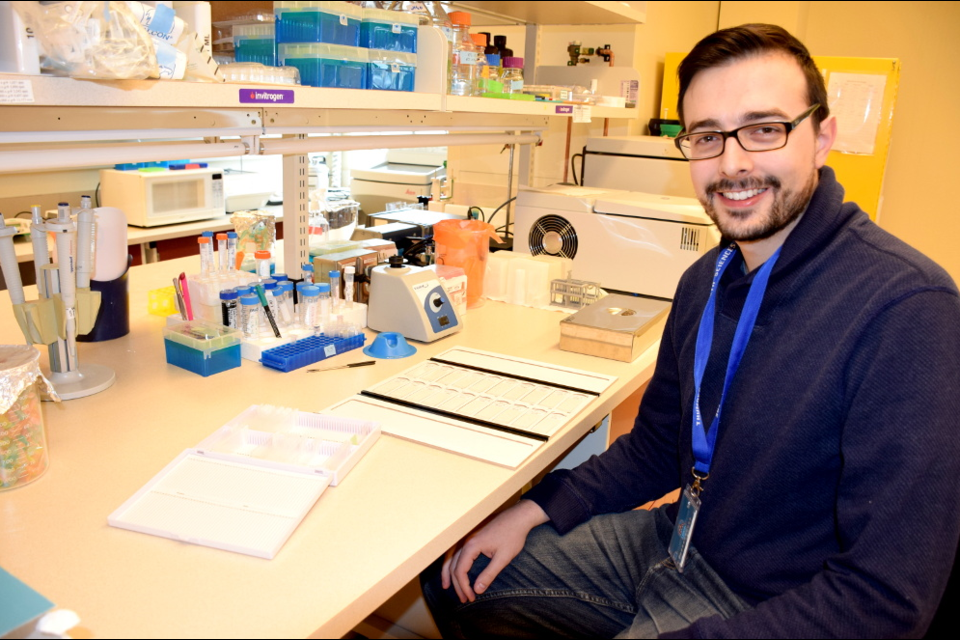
{"x": 255, "y": 43}
{"x": 323, "y": 21}
{"x": 389, "y": 30}
{"x": 204, "y": 348}
{"x": 326, "y": 65}
{"x": 391, "y": 70}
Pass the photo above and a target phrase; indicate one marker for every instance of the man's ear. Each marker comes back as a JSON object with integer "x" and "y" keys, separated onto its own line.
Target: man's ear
{"x": 825, "y": 139}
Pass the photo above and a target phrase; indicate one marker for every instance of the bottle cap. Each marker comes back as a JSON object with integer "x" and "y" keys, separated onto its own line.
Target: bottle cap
{"x": 232, "y": 235}
{"x": 280, "y": 277}
{"x": 207, "y": 234}
{"x": 203, "y": 240}
{"x": 323, "y": 287}
{"x": 513, "y": 63}
{"x": 461, "y": 18}
{"x": 478, "y": 39}
{"x": 262, "y": 255}
{"x": 249, "y": 301}
{"x": 310, "y": 292}
{"x": 229, "y": 294}
{"x": 269, "y": 284}
{"x": 221, "y": 236}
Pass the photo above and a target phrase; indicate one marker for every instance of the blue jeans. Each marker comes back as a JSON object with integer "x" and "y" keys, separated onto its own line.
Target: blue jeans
{"x": 609, "y": 577}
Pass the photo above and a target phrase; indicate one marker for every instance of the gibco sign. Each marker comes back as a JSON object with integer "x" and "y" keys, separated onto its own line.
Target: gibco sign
{"x": 266, "y": 96}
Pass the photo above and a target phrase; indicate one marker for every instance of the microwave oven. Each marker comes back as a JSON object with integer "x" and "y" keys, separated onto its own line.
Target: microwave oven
{"x": 153, "y": 198}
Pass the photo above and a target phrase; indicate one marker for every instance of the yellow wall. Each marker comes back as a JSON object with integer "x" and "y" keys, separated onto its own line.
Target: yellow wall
{"x": 919, "y": 203}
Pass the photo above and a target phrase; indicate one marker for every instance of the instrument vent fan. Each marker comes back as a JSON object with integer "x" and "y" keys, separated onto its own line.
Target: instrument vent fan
{"x": 690, "y": 239}
{"x": 553, "y": 235}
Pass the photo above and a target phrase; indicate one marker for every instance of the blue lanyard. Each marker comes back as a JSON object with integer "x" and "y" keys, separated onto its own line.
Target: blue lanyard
{"x": 704, "y": 442}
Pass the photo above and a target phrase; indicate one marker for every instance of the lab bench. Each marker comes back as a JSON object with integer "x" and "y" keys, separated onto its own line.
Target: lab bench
{"x": 401, "y": 507}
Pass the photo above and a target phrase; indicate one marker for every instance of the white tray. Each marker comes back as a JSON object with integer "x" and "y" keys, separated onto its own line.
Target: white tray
{"x": 247, "y": 489}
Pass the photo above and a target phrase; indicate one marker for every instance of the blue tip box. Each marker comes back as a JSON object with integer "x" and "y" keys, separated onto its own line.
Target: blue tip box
{"x": 204, "y": 348}
{"x": 307, "y": 351}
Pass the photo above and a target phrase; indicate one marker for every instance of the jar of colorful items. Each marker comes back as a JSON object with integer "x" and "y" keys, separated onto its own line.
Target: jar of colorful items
{"x": 23, "y": 443}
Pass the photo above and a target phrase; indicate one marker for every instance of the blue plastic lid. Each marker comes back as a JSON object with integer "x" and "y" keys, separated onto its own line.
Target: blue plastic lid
{"x": 250, "y": 301}
{"x": 229, "y": 294}
{"x": 390, "y": 345}
{"x": 307, "y": 267}
{"x": 269, "y": 284}
{"x": 207, "y": 234}
{"x": 280, "y": 277}
{"x": 493, "y": 60}
{"x": 244, "y": 291}
{"x": 324, "y": 287}
{"x": 232, "y": 235}
{"x": 334, "y": 274}
{"x": 286, "y": 286}
{"x": 310, "y": 292}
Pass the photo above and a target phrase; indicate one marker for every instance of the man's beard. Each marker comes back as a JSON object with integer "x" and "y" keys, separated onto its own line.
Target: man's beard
{"x": 785, "y": 209}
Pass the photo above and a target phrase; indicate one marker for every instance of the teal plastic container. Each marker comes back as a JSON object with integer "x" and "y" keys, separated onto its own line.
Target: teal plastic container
{"x": 322, "y": 21}
{"x": 391, "y": 70}
{"x": 202, "y": 347}
{"x": 389, "y": 30}
{"x": 326, "y": 65}
{"x": 255, "y": 43}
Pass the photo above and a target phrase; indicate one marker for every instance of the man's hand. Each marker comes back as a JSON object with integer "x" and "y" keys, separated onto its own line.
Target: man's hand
{"x": 501, "y": 540}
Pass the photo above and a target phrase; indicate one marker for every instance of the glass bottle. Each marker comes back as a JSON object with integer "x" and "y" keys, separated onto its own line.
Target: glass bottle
{"x": 512, "y": 76}
{"x": 463, "y": 57}
{"x": 500, "y": 42}
{"x": 488, "y": 76}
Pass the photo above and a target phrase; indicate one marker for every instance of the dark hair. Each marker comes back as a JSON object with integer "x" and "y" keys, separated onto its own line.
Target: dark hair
{"x": 749, "y": 40}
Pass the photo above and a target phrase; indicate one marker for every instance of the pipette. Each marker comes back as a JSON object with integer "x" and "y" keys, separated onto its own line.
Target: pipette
{"x": 86, "y": 243}
{"x": 8, "y": 263}
{"x": 65, "y": 233}
{"x": 41, "y": 252}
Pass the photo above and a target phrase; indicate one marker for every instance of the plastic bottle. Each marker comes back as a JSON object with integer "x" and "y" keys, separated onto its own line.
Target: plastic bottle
{"x": 431, "y": 13}
{"x": 307, "y": 272}
{"x": 463, "y": 57}
{"x": 250, "y": 317}
{"x": 512, "y": 76}
{"x": 263, "y": 264}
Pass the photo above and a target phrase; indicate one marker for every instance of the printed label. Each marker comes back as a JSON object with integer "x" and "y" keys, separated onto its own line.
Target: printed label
{"x": 266, "y": 96}
{"x": 395, "y": 67}
{"x": 343, "y": 20}
{"x": 330, "y": 350}
{"x": 397, "y": 28}
{"x": 516, "y": 85}
{"x": 564, "y": 109}
{"x": 468, "y": 57}
{"x": 582, "y": 114}
{"x": 16, "y": 91}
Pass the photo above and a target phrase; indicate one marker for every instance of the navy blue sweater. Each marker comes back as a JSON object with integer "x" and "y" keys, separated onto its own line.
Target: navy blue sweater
{"x": 833, "y": 503}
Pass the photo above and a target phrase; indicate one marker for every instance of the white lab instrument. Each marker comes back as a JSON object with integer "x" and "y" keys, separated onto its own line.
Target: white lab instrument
{"x": 405, "y": 175}
{"x": 626, "y": 241}
{"x": 636, "y": 163}
{"x": 152, "y": 198}
{"x": 410, "y": 301}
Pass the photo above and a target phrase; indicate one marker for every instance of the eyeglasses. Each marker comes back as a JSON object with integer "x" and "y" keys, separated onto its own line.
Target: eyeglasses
{"x": 764, "y": 136}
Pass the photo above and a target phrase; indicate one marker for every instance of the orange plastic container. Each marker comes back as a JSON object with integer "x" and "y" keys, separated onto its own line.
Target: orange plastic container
{"x": 466, "y": 244}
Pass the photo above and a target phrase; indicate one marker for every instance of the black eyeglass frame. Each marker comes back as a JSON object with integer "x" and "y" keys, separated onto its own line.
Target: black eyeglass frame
{"x": 789, "y": 126}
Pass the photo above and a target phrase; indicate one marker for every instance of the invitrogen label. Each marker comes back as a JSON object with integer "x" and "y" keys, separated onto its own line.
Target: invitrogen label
{"x": 266, "y": 96}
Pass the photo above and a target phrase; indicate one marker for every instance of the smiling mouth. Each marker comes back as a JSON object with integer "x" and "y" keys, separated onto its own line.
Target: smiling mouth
{"x": 741, "y": 195}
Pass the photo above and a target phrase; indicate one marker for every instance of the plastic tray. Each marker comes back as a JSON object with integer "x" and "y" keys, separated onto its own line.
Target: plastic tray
{"x": 201, "y": 347}
{"x": 305, "y": 352}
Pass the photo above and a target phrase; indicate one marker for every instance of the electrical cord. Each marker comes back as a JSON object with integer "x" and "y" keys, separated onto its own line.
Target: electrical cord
{"x": 479, "y": 211}
{"x": 96, "y": 195}
{"x": 573, "y": 168}
{"x": 497, "y": 210}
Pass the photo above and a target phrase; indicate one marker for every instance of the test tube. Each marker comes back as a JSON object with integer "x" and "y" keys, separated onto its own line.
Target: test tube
{"x": 348, "y": 275}
{"x": 229, "y": 308}
{"x": 273, "y": 300}
{"x": 288, "y": 301}
{"x": 334, "y": 289}
{"x": 206, "y": 255}
{"x": 324, "y": 307}
{"x": 307, "y": 271}
{"x": 309, "y": 307}
{"x": 222, "y": 252}
{"x": 232, "y": 251}
{"x": 263, "y": 264}
{"x": 250, "y": 317}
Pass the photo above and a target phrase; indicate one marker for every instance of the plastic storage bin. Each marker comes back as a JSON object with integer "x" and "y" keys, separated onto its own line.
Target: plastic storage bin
{"x": 255, "y": 43}
{"x": 389, "y": 30}
{"x": 329, "y": 22}
{"x": 202, "y": 347}
{"x": 391, "y": 70}
{"x": 23, "y": 442}
{"x": 326, "y": 65}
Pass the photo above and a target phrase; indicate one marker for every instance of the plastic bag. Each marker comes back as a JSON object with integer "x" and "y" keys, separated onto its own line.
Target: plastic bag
{"x": 90, "y": 39}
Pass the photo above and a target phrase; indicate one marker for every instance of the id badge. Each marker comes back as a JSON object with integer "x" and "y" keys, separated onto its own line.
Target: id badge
{"x": 683, "y": 529}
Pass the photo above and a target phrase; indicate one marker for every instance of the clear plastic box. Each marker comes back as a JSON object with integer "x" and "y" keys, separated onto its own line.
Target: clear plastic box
{"x": 389, "y": 30}
{"x": 204, "y": 348}
{"x": 391, "y": 70}
{"x": 326, "y": 65}
{"x": 323, "y": 21}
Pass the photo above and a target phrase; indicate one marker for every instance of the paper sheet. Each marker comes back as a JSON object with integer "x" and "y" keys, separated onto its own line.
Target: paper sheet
{"x": 856, "y": 100}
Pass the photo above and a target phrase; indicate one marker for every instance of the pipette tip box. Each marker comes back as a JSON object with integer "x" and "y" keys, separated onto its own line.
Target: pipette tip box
{"x": 308, "y": 351}
{"x": 202, "y": 347}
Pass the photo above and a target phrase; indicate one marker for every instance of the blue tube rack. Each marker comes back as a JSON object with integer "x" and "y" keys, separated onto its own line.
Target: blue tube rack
{"x": 307, "y": 351}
